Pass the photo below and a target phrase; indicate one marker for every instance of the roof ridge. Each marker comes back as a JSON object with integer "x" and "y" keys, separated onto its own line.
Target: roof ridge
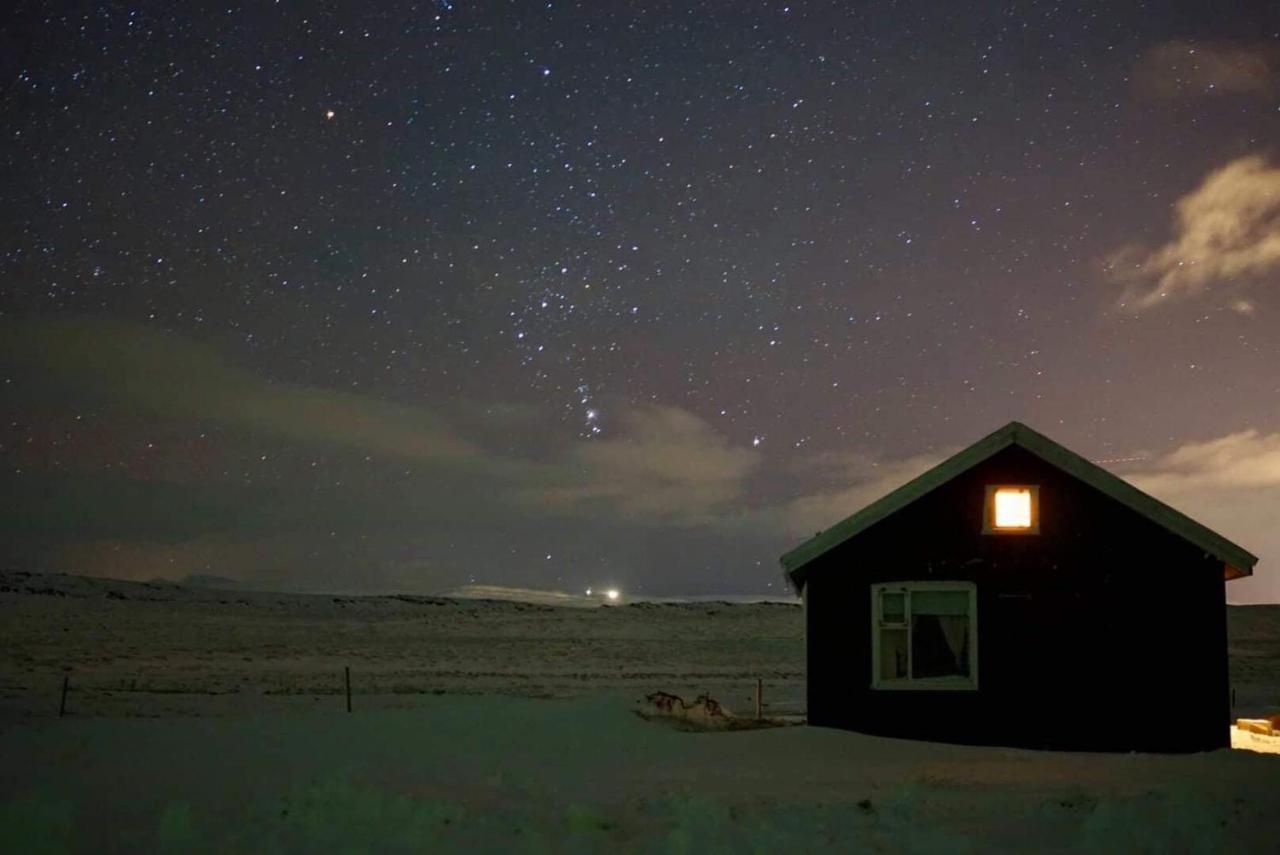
{"x": 1235, "y": 557}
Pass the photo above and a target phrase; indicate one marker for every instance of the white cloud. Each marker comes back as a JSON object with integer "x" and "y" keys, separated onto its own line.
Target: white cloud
{"x": 665, "y": 465}
{"x": 1245, "y": 460}
{"x": 1227, "y": 230}
{"x": 1183, "y": 69}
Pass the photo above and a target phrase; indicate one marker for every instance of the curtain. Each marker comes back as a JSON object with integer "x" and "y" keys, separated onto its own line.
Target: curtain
{"x": 939, "y": 645}
{"x": 955, "y": 629}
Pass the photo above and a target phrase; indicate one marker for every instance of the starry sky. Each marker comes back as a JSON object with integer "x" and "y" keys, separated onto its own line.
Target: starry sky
{"x": 404, "y": 296}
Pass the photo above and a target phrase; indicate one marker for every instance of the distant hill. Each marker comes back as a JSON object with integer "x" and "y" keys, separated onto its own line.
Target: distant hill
{"x": 207, "y": 580}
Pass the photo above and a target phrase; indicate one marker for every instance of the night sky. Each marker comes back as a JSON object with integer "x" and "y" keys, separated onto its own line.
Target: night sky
{"x": 388, "y": 296}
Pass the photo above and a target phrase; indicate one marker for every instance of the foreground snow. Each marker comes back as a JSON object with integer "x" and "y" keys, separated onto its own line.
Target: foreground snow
{"x": 583, "y": 775}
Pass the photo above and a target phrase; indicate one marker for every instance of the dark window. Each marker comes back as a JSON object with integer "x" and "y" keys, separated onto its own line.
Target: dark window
{"x": 925, "y": 634}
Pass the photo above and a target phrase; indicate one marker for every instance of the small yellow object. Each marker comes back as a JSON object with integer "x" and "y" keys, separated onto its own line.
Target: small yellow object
{"x": 1013, "y": 507}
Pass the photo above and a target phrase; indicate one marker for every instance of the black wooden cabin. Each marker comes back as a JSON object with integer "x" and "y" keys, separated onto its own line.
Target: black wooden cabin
{"x": 1017, "y": 594}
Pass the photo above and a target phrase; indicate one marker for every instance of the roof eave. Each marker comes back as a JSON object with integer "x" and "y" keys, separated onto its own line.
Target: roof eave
{"x": 1231, "y": 572}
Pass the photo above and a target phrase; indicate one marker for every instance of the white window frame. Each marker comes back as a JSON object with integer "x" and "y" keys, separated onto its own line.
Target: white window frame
{"x": 950, "y": 683}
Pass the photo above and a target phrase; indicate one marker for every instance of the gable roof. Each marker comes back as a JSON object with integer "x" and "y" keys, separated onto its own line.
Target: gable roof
{"x": 1236, "y": 560}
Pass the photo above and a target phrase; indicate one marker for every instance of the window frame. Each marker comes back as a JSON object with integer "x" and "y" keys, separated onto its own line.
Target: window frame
{"x": 989, "y": 509}
{"x": 921, "y": 684}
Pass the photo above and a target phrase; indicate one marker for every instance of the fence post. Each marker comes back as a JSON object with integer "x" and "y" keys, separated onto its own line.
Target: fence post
{"x": 347, "y": 669}
{"x": 62, "y": 706}
{"x": 759, "y": 698}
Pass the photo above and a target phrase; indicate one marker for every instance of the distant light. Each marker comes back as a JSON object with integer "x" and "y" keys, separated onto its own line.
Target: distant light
{"x": 588, "y": 592}
{"x": 328, "y": 114}
{"x": 1013, "y": 507}
{"x": 612, "y": 593}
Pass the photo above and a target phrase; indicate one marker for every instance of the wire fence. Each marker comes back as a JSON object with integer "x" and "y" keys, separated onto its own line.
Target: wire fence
{"x": 344, "y": 688}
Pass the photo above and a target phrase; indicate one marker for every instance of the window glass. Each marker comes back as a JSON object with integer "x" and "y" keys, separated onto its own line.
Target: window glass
{"x": 925, "y": 632}
{"x": 1013, "y": 508}
{"x": 893, "y": 654}
{"x": 940, "y": 602}
{"x": 893, "y": 607}
{"x": 939, "y": 645}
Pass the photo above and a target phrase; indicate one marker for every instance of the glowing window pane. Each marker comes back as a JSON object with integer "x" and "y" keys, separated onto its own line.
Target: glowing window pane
{"x": 1013, "y": 507}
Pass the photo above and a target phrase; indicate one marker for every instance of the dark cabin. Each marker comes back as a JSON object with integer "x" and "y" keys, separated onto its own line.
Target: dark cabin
{"x": 1017, "y": 594}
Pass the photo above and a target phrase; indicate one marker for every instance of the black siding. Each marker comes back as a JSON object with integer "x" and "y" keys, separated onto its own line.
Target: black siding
{"x": 1103, "y": 632}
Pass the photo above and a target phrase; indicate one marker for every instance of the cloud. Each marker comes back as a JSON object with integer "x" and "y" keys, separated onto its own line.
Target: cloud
{"x": 666, "y": 465}
{"x": 166, "y": 376}
{"x": 1246, "y": 460}
{"x": 859, "y": 480}
{"x": 1183, "y": 69}
{"x": 144, "y": 560}
{"x": 402, "y": 495}
{"x": 1225, "y": 230}
{"x": 277, "y": 562}
{"x": 1232, "y": 485}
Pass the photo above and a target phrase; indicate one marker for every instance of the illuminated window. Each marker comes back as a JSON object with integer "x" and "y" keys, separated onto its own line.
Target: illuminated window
{"x": 1012, "y": 509}
{"x": 924, "y": 635}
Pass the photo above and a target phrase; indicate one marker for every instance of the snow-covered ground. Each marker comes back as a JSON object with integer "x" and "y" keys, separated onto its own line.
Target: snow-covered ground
{"x": 214, "y": 721}
{"x": 490, "y": 774}
{"x": 158, "y": 649}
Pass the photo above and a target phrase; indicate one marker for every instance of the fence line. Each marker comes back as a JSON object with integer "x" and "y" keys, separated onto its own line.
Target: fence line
{"x": 728, "y": 690}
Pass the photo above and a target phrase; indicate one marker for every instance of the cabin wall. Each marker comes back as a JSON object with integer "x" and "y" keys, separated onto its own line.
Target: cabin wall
{"x": 1102, "y": 632}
